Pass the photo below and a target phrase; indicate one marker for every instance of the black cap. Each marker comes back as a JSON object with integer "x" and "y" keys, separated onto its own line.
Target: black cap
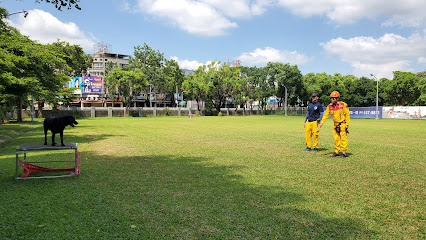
{"x": 314, "y": 94}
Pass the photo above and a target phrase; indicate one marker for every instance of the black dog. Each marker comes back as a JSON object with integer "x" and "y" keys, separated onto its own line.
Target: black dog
{"x": 57, "y": 125}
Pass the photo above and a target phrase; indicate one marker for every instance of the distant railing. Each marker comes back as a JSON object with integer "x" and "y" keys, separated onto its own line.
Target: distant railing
{"x": 365, "y": 112}
{"x": 154, "y": 111}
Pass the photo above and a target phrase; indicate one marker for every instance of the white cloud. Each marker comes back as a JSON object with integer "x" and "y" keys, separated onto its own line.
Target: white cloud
{"x": 383, "y": 55}
{"x": 217, "y": 17}
{"x": 395, "y": 12}
{"x": 195, "y": 17}
{"x": 239, "y": 8}
{"x": 188, "y": 64}
{"x": 204, "y": 17}
{"x": 421, "y": 59}
{"x": 45, "y": 28}
{"x": 260, "y": 57}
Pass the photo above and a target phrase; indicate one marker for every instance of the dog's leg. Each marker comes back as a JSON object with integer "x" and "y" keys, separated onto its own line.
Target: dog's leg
{"x": 62, "y": 138}
{"x": 45, "y": 136}
{"x": 53, "y": 139}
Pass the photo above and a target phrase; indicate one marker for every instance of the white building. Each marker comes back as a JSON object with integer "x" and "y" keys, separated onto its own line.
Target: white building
{"x": 100, "y": 59}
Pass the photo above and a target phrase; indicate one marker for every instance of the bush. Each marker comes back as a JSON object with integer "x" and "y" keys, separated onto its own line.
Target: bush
{"x": 197, "y": 113}
{"x": 220, "y": 114}
{"x": 167, "y": 112}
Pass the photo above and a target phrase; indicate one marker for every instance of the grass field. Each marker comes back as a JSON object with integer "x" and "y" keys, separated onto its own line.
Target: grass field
{"x": 221, "y": 178}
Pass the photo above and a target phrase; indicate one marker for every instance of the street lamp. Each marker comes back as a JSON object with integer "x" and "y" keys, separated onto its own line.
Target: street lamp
{"x": 23, "y": 11}
{"x": 285, "y": 103}
{"x": 377, "y": 97}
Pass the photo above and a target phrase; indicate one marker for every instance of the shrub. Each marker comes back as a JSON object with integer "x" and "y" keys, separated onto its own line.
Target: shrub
{"x": 220, "y": 114}
{"x": 209, "y": 109}
{"x": 167, "y": 112}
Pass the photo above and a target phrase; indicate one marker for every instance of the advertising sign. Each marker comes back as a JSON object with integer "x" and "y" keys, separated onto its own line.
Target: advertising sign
{"x": 364, "y": 112}
{"x": 92, "y": 84}
{"x": 405, "y": 112}
{"x": 76, "y": 82}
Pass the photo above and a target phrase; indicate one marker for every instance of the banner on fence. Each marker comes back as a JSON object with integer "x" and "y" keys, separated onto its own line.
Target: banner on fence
{"x": 405, "y": 112}
{"x": 364, "y": 112}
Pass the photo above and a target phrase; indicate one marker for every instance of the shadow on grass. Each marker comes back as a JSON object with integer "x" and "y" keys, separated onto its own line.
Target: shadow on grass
{"x": 162, "y": 197}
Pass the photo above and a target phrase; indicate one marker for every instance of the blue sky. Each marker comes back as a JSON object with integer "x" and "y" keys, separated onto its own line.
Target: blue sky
{"x": 356, "y": 37}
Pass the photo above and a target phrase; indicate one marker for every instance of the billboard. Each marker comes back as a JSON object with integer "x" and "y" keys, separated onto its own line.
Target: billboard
{"x": 405, "y": 112}
{"x": 87, "y": 84}
{"x": 76, "y": 82}
{"x": 364, "y": 112}
{"x": 92, "y": 84}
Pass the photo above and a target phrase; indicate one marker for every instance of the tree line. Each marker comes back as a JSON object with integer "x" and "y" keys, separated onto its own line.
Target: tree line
{"x": 216, "y": 83}
{"x": 33, "y": 72}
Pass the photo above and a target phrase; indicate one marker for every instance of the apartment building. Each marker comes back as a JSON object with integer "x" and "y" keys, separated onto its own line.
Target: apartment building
{"x": 100, "y": 59}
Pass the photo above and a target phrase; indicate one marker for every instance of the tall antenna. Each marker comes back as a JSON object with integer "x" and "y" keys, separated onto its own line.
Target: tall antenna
{"x": 102, "y": 48}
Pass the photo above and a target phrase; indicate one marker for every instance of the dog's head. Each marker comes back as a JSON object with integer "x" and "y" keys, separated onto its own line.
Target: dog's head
{"x": 70, "y": 120}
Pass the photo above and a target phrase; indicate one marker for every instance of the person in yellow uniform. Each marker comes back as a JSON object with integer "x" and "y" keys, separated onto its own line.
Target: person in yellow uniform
{"x": 313, "y": 115}
{"x": 341, "y": 118}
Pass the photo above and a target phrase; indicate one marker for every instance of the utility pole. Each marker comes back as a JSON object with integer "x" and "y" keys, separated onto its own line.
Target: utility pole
{"x": 177, "y": 99}
{"x": 150, "y": 95}
{"x": 377, "y": 97}
{"x": 285, "y": 103}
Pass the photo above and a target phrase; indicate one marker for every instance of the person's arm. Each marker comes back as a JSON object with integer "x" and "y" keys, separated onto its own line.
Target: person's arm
{"x": 306, "y": 118}
{"x": 324, "y": 117}
{"x": 347, "y": 115}
{"x": 321, "y": 110}
{"x": 307, "y": 114}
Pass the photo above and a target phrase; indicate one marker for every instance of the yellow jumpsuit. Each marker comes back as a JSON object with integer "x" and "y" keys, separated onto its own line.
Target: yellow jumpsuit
{"x": 311, "y": 131}
{"x": 340, "y": 115}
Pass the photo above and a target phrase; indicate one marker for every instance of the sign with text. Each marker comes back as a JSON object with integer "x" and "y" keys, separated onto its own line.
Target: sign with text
{"x": 364, "y": 112}
{"x": 92, "y": 84}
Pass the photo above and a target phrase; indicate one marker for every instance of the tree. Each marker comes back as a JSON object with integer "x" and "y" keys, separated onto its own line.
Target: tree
{"x": 421, "y": 101}
{"x": 257, "y": 87}
{"x": 126, "y": 83}
{"x": 28, "y": 69}
{"x": 421, "y": 74}
{"x": 195, "y": 85}
{"x": 241, "y": 95}
{"x": 361, "y": 92}
{"x": 17, "y": 72}
{"x": 172, "y": 78}
{"x": 151, "y": 63}
{"x": 405, "y": 89}
{"x": 324, "y": 84}
{"x": 222, "y": 83}
{"x": 74, "y": 56}
{"x": 69, "y": 4}
{"x": 285, "y": 76}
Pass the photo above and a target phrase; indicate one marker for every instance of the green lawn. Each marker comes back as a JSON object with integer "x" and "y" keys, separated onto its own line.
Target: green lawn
{"x": 221, "y": 178}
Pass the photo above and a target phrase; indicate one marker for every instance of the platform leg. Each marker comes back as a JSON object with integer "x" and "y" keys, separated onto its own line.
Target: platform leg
{"x": 17, "y": 165}
{"x": 75, "y": 161}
